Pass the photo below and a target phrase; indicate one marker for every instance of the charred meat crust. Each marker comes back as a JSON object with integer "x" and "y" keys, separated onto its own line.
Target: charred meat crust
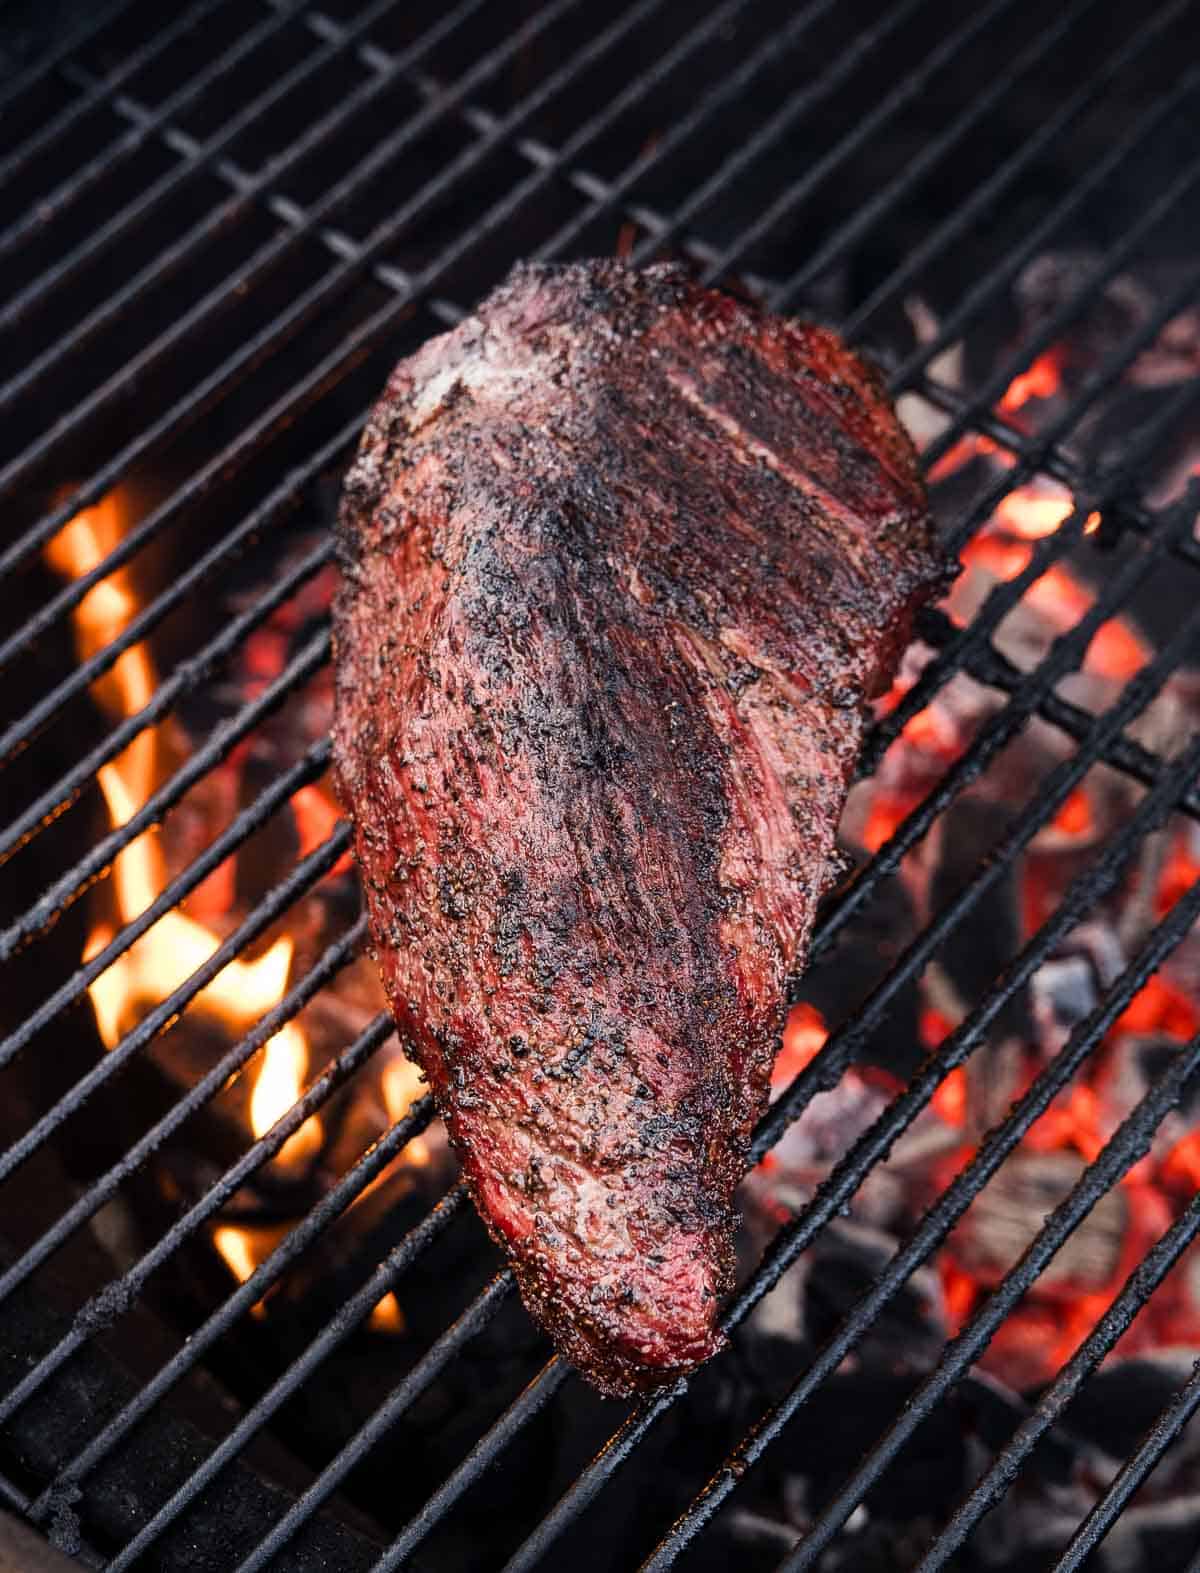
{"x": 621, "y": 561}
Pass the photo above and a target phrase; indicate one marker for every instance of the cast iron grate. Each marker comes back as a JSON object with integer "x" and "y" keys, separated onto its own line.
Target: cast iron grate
{"x": 225, "y": 227}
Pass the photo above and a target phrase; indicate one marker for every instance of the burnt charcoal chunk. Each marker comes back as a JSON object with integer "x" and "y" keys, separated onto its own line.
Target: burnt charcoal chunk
{"x": 622, "y": 560}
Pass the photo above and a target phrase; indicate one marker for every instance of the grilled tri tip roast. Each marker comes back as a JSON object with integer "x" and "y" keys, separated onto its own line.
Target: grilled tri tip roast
{"x": 622, "y": 560}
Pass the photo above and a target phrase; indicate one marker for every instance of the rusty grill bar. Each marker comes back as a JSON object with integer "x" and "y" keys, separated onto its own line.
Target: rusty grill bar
{"x": 419, "y": 277}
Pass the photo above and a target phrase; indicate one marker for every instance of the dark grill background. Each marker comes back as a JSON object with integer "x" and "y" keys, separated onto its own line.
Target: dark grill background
{"x": 223, "y": 225}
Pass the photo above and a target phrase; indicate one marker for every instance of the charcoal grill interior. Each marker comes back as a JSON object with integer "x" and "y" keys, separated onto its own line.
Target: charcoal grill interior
{"x": 222, "y": 225}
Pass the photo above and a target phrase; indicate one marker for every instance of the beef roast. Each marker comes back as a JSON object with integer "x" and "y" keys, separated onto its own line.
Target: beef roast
{"x": 622, "y": 561}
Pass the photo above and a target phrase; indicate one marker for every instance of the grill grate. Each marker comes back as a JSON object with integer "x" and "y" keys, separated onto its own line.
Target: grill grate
{"x": 553, "y": 163}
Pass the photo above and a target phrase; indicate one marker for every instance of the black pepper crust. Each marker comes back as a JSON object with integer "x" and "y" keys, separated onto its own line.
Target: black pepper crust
{"x": 622, "y": 560}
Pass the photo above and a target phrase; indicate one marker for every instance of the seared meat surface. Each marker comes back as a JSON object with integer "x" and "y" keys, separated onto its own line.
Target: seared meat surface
{"x": 622, "y": 561}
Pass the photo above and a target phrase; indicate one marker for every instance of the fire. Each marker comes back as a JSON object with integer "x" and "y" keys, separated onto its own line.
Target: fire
{"x": 387, "y": 1316}
{"x": 243, "y": 1249}
{"x": 1160, "y": 1006}
{"x": 1074, "y": 818}
{"x": 176, "y": 945}
{"x": 1032, "y": 514}
{"x": 403, "y": 1085}
{"x": 1181, "y": 1167}
{"x": 1041, "y": 381}
{"x": 950, "y": 1100}
{"x": 803, "y": 1039}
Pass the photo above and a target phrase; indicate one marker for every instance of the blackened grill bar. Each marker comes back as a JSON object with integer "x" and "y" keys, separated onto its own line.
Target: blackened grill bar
{"x": 965, "y": 417}
{"x": 1135, "y": 697}
{"x": 71, "y": 595}
{"x": 1113, "y": 492}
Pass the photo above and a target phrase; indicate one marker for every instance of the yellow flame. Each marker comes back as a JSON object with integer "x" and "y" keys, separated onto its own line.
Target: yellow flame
{"x": 243, "y": 1249}
{"x": 402, "y": 1087}
{"x": 280, "y": 1083}
{"x": 176, "y": 945}
{"x": 1031, "y": 515}
{"x": 234, "y": 1246}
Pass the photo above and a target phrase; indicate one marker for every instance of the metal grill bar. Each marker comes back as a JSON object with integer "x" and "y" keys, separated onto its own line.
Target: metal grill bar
{"x": 870, "y": 1148}
{"x": 352, "y": 1185}
{"x": 548, "y": 1381}
{"x": 473, "y": 1320}
{"x": 770, "y": 133}
{"x": 1131, "y": 1142}
{"x": 362, "y": 337}
{"x": 994, "y": 670}
{"x": 74, "y": 591}
{"x": 1132, "y": 1475}
{"x": 104, "y": 1307}
{"x": 1066, "y": 655}
{"x": 246, "y": 187}
{"x": 962, "y": 314}
{"x": 1137, "y": 695}
{"x": 235, "y": 835}
{"x": 93, "y": 865}
{"x": 75, "y": 40}
{"x": 905, "y": 90}
{"x": 269, "y": 339}
{"x": 306, "y": 873}
{"x": 1107, "y": 374}
{"x": 78, "y": 588}
{"x": 66, "y": 510}
{"x": 108, "y": 162}
{"x": 928, "y": 1236}
{"x": 1138, "y": 1288}
{"x": 377, "y": 1427}
{"x": 185, "y": 679}
{"x": 1085, "y": 891}
{"x": 49, "y": 135}
{"x": 1131, "y": 700}
{"x": 268, "y": 513}
{"x": 173, "y": 180}
{"x": 984, "y": 194}
{"x": 1108, "y": 490}
{"x": 324, "y": 970}
{"x": 937, "y": 1223}
{"x": 478, "y": 1461}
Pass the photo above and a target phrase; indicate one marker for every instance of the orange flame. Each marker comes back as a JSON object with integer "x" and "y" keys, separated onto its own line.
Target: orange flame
{"x": 243, "y": 1249}
{"x": 387, "y": 1316}
{"x": 403, "y": 1086}
{"x": 176, "y": 945}
{"x": 1042, "y": 381}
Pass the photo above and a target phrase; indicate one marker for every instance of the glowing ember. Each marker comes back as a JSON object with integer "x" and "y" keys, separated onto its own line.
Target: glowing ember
{"x": 1160, "y": 1006}
{"x": 387, "y": 1317}
{"x": 803, "y": 1039}
{"x": 176, "y": 945}
{"x": 1041, "y": 381}
{"x": 1074, "y": 818}
{"x": 950, "y": 1100}
{"x": 1181, "y": 1167}
{"x": 1032, "y": 515}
